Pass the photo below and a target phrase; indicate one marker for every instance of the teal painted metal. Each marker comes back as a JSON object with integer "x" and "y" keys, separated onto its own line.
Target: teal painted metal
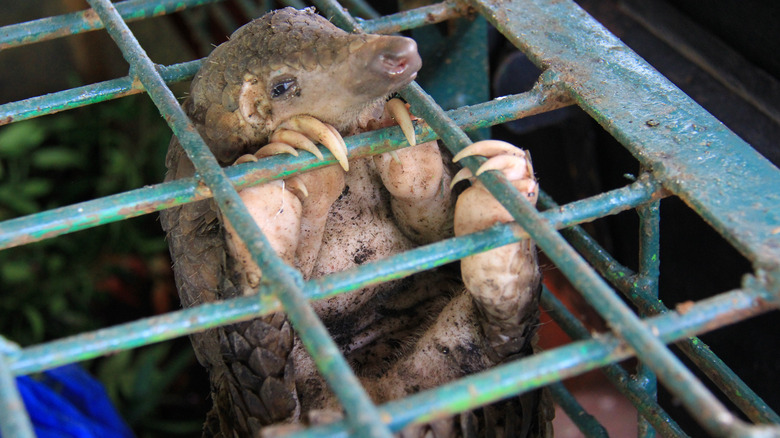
{"x": 645, "y": 404}
{"x": 698, "y": 158}
{"x": 649, "y": 271}
{"x": 678, "y": 379}
{"x": 709, "y": 163}
{"x": 680, "y": 144}
{"x": 184, "y": 322}
{"x": 405, "y": 20}
{"x": 334, "y": 368}
{"x": 14, "y": 421}
{"x": 361, "y": 9}
{"x": 586, "y": 423}
{"x": 52, "y": 223}
{"x": 694, "y": 348}
{"x": 88, "y": 94}
{"x": 84, "y": 21}
{"x": 464, "y": 39}
{"x": 546, "y": 367}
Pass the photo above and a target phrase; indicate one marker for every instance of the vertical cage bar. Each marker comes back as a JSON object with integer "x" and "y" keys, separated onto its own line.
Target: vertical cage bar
{"x": 576, "y": 41}
{"x": 361, "y": 8}
{"x": 649, "y": 269}
{"x": 14, "y": 420}
{"x": 361, "y": 412}
{"x": 627, "y": 386}
{"x": 585, "y": 422}
{"x": 697, "y": 351}
{"x": 623, "y": 321}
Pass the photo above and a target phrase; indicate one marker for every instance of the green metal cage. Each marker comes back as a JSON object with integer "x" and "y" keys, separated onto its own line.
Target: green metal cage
{"x": 685, "y": 153}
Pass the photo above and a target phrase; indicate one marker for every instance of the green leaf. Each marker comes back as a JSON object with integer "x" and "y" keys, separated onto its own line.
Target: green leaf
{"x": 35, "y": 319}
{"x": 35, "y": 187}
{"x": 57, "y": 158}
{"x": 11, "y": 197}
{"x": 20, "y": 138}
{"x": 15, "y": 272}
{"x": 114, "y": 372}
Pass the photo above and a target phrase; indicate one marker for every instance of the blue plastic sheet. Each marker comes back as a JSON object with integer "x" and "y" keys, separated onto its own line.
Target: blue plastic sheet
{"x": 68, "y": 402}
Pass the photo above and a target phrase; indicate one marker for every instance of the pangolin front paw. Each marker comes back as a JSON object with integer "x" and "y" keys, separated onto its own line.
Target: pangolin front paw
{"x": 504, "y": 282}
{"x": 476, "y": 208}
{"x": 413, "y": 172}
{"x": 291, "y": 213}
{"x": 417, "y": 180}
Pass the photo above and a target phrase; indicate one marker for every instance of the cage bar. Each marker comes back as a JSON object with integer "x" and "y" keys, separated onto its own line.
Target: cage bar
{"x": 14, "y": 421}
{"x": 45, "y": 29}
{"x": 716, "y": 173}
{"x": 188, "y": 321}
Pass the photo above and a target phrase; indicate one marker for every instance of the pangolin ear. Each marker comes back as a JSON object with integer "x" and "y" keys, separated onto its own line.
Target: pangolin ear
{"x": 253, "y": 102}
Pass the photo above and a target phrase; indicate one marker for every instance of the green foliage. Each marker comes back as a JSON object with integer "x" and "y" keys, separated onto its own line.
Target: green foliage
{"x": 102, "y": 276}
{"x": 50, "y": 287}
{"x": 138, "y": 382}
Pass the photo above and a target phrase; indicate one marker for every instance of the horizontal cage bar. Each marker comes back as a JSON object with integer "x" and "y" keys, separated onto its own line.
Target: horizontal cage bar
{"x": 684, "y": 151}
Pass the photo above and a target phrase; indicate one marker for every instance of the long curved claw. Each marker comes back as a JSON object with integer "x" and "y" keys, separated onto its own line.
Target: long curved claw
{"x": 513, "y": 167}
{"x": 489, "y": 148}
{"x": 315, "y": 129}
{"x": 338, "y": 136}
{"x": 297, "y": 186}
{"x": 462, "y": 174}
{"x": 246, "y": 158}
{"x": 397, "y": 109}
{"x": 275, "y": 148}
{"x": 296, "y": 140}
{"x": 513, "y": 162}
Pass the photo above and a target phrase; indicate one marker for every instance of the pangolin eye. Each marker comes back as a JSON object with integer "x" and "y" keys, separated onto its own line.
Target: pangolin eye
{"x": 286, "y": 87}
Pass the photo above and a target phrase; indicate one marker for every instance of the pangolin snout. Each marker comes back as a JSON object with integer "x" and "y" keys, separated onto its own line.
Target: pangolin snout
{"x": 396, "y": 58}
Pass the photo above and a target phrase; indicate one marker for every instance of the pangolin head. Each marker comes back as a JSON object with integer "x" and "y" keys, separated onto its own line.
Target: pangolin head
{"x": 292, "y": 62}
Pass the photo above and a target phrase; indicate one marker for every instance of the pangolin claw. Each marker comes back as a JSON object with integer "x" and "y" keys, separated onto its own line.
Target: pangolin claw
{"x": 398, "y": 110}
{"x": 463, "y": 174}
{"x": 297, "y": 186}
{"x": 338, "y": 136}
{"x": 246, "y": 158}
{"x": 296, "y": 140}
{"x": 489, "y": 148}
{"x": 317, "y": 130}
{"x": 512, "y": 166}
{"x": 275, "y": 148}
{"x": 501, "y": 155}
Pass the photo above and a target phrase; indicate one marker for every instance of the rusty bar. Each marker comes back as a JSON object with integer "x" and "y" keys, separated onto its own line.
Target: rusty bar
{"x": 694, "y": 154}
{"x": 14, "y": 421}
{"x": 413, "y": 18}
{"x": 649, "y": 271}
{"x": 572, "y": 41}
{"x": 586, "y": 423}
{"x": 646, "y": 405}
{"x": 49, "y": 28}
{"x": 540, "y": 369}
{"x": 88, "y": 94}
{"x": 59, "y": 221}
{"x": 362, "y": 414}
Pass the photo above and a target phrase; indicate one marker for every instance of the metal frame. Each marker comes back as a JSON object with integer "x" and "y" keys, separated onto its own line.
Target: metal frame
{"x": 685, "y": 152}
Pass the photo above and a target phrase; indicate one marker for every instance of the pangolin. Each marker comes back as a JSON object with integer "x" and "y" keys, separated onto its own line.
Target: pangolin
{"x": 282, "y": 83}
